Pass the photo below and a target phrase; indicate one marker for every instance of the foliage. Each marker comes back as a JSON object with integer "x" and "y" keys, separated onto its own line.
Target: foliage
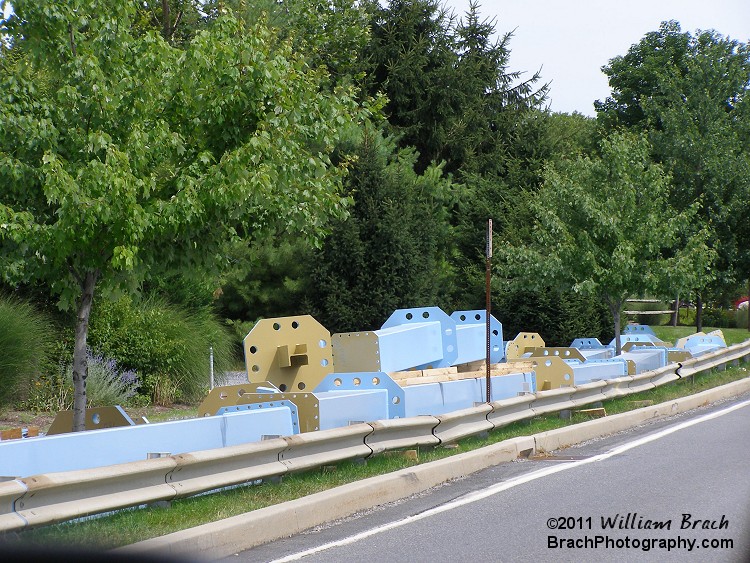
{"x": 604, "y": 229}
{"x": 126, "y": 158}
{"x": 558, "y": 316}
{"x": 390, "y": 253}
{"x": 25, "y": 337}
{"x": 450, "y": 93}
{"x": 107, "y": 385}
{"x": 167, "y": 345}
{"x": 690, "y": 94}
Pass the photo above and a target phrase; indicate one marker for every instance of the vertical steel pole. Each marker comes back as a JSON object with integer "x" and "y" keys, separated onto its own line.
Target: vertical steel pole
{"x": 488, "y": 305}
{"x": 211, "y": 367}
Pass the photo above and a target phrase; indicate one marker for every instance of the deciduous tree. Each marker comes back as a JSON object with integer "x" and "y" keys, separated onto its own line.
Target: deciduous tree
{"x": 122, "y": 157}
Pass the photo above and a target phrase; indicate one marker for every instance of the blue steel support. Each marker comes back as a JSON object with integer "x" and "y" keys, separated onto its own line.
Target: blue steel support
{"x": 409, "y": 333}
{"x": 472, "y": 339}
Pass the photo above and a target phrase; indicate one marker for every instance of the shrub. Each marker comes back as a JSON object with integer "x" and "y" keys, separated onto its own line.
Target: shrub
{"x": 166, "y": 344}
{"x": 719, "y": 318}
{"x": 740, "y": 317}
{"x": 25, "y": 336}
{"x": 106, "y": 384}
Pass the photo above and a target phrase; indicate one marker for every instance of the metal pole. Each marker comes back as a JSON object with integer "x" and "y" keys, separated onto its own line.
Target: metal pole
{"x": 488, "y": 305}
{"x": 211, "y": 367}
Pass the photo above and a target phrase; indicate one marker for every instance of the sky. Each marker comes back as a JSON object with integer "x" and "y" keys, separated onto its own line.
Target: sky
{"x": 570, "y": 40}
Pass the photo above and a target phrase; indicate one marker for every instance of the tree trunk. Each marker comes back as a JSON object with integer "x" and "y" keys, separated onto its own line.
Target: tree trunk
{"x": 698, "y": 313}
{"x": 166, "y": 20}
{"x": 615, "y": 309}
{"x": 676, "y": 314}
{"x": 80, "y": 361}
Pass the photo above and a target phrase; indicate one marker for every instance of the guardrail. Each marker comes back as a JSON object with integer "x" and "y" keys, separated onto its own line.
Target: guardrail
{"x": 55, "y": 497}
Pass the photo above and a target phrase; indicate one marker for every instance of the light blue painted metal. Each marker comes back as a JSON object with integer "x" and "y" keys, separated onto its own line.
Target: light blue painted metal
{"x": 598, "y": 354}
{"x": 599, "y": 369}
{"x": 471, "y": 333}
{"x": 638, "y": 329}
{"x": 587, "y": 344}
{"x": 423, "y": 399}
{"x": 343, "y": 408}
{"x": 704, "y": 343}
{"x": 647, "y": 358}
{"x": 97, "y": 448}
{"x": 637, "y": 337}
{"x": 461, "y": 394}
{"x": 293, "y": 411}
{"x": 421, "y": 339}
{"x": 365, "y": 381}
{"x": 509, "y": 385}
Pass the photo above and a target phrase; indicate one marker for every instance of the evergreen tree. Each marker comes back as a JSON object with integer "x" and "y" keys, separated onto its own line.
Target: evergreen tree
{"x": 389, "y": 253}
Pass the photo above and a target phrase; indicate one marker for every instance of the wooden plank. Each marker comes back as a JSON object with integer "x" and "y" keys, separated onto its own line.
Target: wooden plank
{"x": 11, "y": 434}
{"x": 649, "y": 312}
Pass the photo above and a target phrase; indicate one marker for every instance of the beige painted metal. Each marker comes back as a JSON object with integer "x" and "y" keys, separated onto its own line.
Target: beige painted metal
{"x": 293, "y": 353}
{"x": 398, "y": 433}
{"x": 551, "y": 372}
{"x": 202, "y": 471}
{"x": 253, "y": 393}
{"x": 10, "y": 492}
{"x": 96, "y": 419}
{"x": 522, "y": 343}
{"x": 674, "y": 356}
{"x": 314, "y": 449}
{"x": 566, "y": 353}
{"x": 460, "y": 424}
{"x": 356, "y": 351}
{"x": 56, "y": 497}
{"x": 228, "y": 395}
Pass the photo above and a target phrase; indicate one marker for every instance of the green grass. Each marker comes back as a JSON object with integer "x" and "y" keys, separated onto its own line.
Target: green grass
{"x": 672, "y": 334}
{"x": 130, "y": 526}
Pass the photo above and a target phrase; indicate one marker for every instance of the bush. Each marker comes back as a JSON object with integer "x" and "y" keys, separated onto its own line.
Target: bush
{"x": 719, "y": 318}
{"x": 106, "y": 384}
{"x": 166, "y": 344}
{"x": 740, "y": 317}
{"x": 25, "y": 336}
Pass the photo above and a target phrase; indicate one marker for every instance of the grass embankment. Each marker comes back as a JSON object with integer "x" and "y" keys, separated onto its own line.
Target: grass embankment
{"x": 130, "y": 526}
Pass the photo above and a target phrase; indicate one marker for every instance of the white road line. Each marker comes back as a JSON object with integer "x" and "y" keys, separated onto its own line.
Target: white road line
{"x": 505, "y": 485}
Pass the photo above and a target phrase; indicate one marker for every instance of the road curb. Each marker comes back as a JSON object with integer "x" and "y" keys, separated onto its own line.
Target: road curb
{"x": 238, "y": 533}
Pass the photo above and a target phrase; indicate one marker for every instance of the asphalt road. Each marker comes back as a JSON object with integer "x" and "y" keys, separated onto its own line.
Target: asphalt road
{"x": 675, "y": 490}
